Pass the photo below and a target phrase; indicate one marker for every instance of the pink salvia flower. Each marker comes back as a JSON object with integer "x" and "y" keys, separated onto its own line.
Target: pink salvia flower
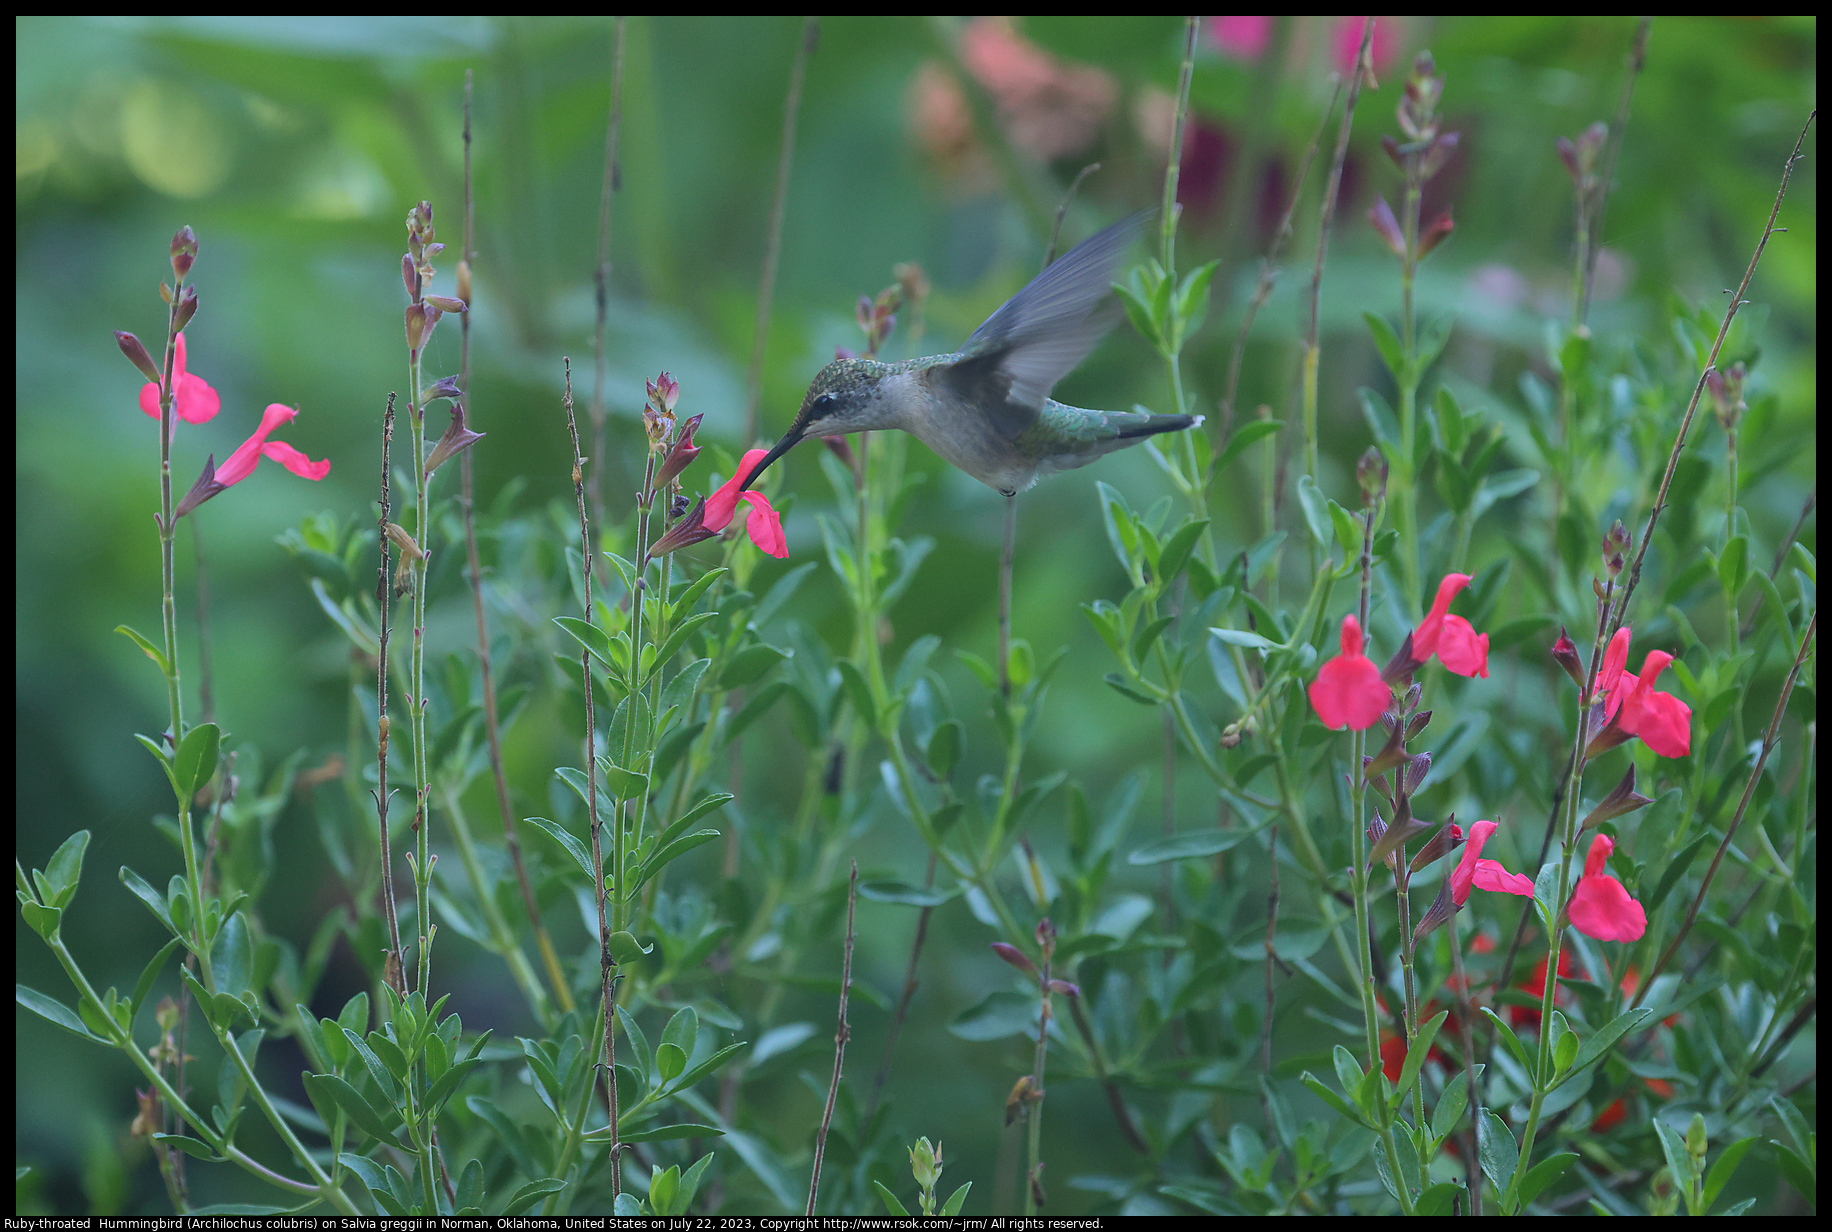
{"x": 240, "y": 464}
{"x": 1600, "y": 907}
{"x": 1458, "y": 646}
{"x": 1471, "y": 869}
{"x": 763, "y": 525}
{"x": 194, "y": 400}
{"x": 1663, "y": 722}
{"x": 1348, "y": 690}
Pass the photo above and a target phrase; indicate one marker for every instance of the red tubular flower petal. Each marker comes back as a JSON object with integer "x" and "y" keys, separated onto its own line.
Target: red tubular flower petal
{"x": 1425, "y": 637}
{"x": 1663, "y": 722}
{"x": 240, "y": 464}
{"x": 295, "y": 461}
{"x": 1600, "y": 907}
{"x": 722, "y": 504}
{"x": 764, "y": 526}
{"x": 1615, "y": 658}
{"x": 1471, "y": 869}
{"x": 1462, "y": 649}
{"x": 194, "y": 400}
{"x": 1348, "y": 690}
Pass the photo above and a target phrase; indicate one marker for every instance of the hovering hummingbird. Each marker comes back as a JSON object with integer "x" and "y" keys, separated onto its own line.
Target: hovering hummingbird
{"x": 987, "y": 407}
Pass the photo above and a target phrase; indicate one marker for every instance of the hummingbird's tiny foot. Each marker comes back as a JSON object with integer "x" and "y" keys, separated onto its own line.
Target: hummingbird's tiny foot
{"x": 1008, "y": 493}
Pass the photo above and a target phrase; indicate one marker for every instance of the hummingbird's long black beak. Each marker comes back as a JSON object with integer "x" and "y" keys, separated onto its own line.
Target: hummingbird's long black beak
{"x": 790, "y": 440}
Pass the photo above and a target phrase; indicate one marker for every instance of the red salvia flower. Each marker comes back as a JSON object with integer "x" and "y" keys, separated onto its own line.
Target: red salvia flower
{"x": 1663, "y": 722}
{"x": 1458, "y": 646}
{"x": 1600, "y": 907}
{"x": 763, "y": 525}
{"x": 193, "y": 400}
{"x": 1348, "y": 690}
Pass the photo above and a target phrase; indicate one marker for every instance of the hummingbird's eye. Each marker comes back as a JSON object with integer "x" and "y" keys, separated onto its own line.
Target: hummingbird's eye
{"x": 823, "y": 406}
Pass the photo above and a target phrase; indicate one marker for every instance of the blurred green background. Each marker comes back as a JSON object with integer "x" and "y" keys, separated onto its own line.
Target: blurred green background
{"x": 295, "y": 147}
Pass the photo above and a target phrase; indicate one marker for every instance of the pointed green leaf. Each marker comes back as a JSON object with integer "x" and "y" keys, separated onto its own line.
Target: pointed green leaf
{"x": 195, "y": 762}
{"x": 889, "y": 1199}
{"x": 152, "y": 652}
{"x": 564, "y": 837}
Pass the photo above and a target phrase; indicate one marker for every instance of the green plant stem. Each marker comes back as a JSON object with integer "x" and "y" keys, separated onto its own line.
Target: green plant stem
{"x": 1034, "y": 1174}
{"x": 321, "y": 1186}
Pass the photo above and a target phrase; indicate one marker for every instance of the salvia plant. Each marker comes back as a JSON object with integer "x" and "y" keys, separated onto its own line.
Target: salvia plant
{"x": 1315, "y": 989}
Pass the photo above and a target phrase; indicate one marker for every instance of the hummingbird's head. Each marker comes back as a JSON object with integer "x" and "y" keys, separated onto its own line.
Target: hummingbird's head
{"x": 845, "y": 397}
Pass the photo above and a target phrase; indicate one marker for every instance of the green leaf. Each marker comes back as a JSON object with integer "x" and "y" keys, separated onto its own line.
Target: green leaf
{"x": 1719, "y": 1174}
{"x": 858, "y": 692}
{"x": 1189, "y": 845}
{"x": 190, "y": 1146}
{"x": 1242, "y": 637}
{"x": 150, "y": 974}
{"x": 54, "y": 1011}
{"x": 1387, "y": 343}
{"x": 1451, "y": 1104}
{"x": 1415, "y": 1059}
{"x": 1513, "y": 1042}
{"x": 572, "y": 846}
{"x": 1247, "y": 435}
{"x": 1138, "y": 311}
{"x": 1679, "y": 1162}
{"x": 195, "y": 761}
{"x": 625, "y": 948}
{"x": 662, "y": 855}
{"x": 621, "y": 783}
{"x": 749, "y": 665}
{"x": 999, "y": 1015}
{"x": 331, "y": 1089}
{"x": 663, "y": 1133}
{"x": 1497, "y": 1150}
{"x": 889, "y": 1199}
{"x": 64, "y": 870}
{"x": 232, "y": 956}
{"x": 707, "y": 1066}
{"x": 152, "y": 652}
{"x": 1316, "y": 511}
{"x": 1322, "y": 1091}
{"x": 956, "y": 1200}
{"x": 944, "y": 749}
{"x": 154, "y": 901}
{"x": 1541, "y": 1175}
{"x": 908, "y": 895}
{"x": 447, "y": 1085}
{"x": 1439, "y": 1200}
{"x": 676, "y": 640}
{"x": 593, "y": 639}
{"x": 687, "y": 598}
{"x": 1598, "y": 1045}
{"x": 670, "y": 1060}
{"x": 1733, "y": 566}
{"x": 524, "y": 1198}
{"x": 682, "y": 1029}
{"x": 1175, "y": 553}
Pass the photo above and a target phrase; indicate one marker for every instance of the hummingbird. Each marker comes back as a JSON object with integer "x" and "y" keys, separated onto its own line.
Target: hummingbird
{"x": 987, "y": 407}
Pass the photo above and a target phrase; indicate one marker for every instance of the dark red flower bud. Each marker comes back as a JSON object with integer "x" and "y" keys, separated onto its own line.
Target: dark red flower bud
{"x": 1565, "y": 654}
{"x": 1013, "y": 955}
{"x": 184, "y": 252}
{"x": 136, "y": 355}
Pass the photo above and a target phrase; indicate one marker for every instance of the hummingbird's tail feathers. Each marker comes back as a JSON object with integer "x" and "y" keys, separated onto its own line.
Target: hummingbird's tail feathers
{"x": 1139, "y": 425}
{"x": 1050, "y": 325}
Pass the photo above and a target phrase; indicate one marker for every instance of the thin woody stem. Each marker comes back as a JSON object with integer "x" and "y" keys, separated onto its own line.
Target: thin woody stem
{"x": 841, "y": 1034}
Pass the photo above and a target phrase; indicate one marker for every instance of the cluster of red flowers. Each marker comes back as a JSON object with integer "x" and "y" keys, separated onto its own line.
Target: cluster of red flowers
{"x": 1350, "y": 691}
{"x": 194, "y": 401}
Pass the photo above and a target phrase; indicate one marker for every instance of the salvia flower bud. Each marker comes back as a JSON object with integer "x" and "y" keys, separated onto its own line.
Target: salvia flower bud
{"x": 184, "y": 252}
{"x": 137, "y": 356}
{"x": 1013, "y": 955}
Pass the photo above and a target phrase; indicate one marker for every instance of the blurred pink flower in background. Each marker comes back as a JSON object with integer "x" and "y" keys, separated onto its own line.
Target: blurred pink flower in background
{"x": 1241, "y": 38}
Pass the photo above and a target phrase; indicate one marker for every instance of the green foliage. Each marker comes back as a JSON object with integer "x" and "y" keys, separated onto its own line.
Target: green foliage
{"x": 1145, "y": 771}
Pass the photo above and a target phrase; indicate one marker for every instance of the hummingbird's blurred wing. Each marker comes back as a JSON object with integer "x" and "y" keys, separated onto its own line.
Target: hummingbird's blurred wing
{"x": 1040, "y": 334}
